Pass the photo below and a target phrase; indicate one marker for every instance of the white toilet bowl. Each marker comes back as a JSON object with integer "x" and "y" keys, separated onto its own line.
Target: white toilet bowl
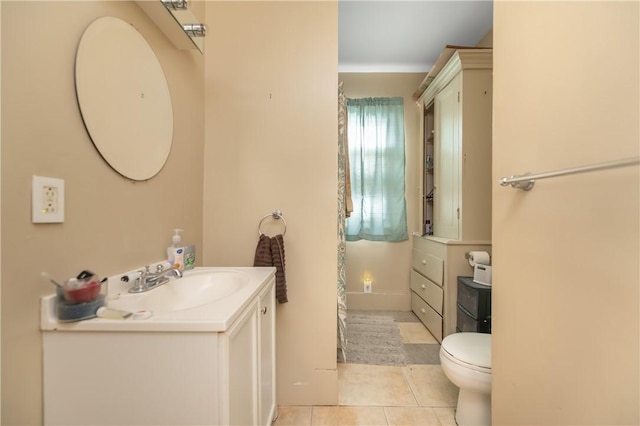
{"x": 466, "y": 360}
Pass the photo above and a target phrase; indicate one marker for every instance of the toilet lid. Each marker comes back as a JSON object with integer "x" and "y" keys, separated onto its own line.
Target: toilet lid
{"x": 471, "y": 348}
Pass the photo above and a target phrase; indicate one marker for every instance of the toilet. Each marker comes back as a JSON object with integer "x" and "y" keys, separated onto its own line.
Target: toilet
{"x": 466, "y": 360}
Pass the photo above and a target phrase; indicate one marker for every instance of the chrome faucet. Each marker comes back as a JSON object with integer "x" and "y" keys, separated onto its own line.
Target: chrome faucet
{"x": 149, "y": 280}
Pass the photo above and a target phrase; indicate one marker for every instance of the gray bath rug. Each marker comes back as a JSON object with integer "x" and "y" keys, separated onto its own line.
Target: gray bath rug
{"x": 422, "y": 353}
{"x": 374, "y": 339}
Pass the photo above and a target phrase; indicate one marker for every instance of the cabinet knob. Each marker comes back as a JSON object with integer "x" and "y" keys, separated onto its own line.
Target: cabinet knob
{"x": 424, "y": 261}
{"x": 423, "y": 286}
{"x": 264, "y": 310}
{"x": 423, "y": 310}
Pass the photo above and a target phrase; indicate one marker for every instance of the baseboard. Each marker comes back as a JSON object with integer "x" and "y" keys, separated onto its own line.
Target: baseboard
{"x": 319, "y": 388}
{"x": 379, "y": 302}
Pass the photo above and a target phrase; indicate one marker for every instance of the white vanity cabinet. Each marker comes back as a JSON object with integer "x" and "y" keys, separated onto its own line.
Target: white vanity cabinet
{"x": 200, "y": 366}
{"x": 248, "y": 347}
{"x": 239, "y": 382}
{"x": 457, "y": 129}
{"x": 267, "y": 357}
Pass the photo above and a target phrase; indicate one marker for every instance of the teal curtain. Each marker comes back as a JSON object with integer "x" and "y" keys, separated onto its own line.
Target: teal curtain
{"x": 377, "y": 162}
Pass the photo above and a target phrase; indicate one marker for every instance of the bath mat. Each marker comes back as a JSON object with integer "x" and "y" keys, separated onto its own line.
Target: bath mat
{"x": 422, "y": 353}
{"x": 374, "y": 339}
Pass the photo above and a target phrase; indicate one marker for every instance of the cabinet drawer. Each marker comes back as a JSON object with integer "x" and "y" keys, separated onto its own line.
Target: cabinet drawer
{"x": 430, "y": 318}
{"x": 427, "y": 290}
{"x": 474, "y": 298}
{"x": 466, "y": 322}
{"x": 429, "y": 266}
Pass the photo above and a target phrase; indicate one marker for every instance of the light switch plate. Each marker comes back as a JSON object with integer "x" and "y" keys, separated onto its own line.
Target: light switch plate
{"x": 47, "y": 200}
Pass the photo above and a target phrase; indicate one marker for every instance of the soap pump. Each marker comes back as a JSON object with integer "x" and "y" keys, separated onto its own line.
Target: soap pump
{"x": 175, "y": 251}
{"x": 176, "y": 237}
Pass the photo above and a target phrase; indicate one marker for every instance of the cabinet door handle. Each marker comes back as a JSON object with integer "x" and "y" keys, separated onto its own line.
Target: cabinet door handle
{"x": 424, "y": 261}
{"x": 423, "y": 286}
{"x": 423, "y": 310}
{"x": 264, "y": 310}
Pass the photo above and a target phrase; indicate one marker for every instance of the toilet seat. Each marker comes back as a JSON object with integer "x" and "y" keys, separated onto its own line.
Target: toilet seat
{"x": 470, "y": 350}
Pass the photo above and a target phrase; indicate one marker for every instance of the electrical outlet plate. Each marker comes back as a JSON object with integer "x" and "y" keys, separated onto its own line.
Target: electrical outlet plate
{"x": 47, "y": 200}
{"x": 367, "y": 287}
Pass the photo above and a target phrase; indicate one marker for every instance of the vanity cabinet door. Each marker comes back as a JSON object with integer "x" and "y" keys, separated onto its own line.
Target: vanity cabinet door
{"x": 250, "y": 378}
{"x": 267, "y": 366}
{"x": 242, "y": 373}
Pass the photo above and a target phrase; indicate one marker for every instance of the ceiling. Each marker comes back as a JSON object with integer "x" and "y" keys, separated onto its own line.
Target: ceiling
{"x": 406, "y": 36}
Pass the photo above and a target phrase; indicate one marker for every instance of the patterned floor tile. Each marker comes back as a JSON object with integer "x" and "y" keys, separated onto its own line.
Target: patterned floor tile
{"x": 410, "y": 416}
{"x": 347, "y": 416}
{"x": 293, "y": 415}
{"x": 373, "y": 385}
{"x": 430, "y": 386}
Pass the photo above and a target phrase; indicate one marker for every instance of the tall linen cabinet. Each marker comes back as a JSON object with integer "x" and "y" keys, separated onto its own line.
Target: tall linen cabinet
{"x": 456, "y": 185}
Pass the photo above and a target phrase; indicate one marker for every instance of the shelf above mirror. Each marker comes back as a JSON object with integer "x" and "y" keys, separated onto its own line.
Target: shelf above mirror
{"x": 176, "y": 24}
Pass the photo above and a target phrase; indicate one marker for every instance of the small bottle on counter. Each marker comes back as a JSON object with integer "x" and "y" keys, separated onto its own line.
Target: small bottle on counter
{"x": 428, "y": 230}
{"x": 179, "y": 255}
{"x": 175, "y": 252}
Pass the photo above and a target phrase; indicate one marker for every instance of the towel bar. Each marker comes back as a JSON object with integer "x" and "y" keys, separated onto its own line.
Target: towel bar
{"x": 526, "y": 181}
{"x": 276, "y": 215}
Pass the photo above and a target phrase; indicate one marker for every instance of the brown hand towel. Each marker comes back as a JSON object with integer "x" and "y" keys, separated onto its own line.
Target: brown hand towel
{"x": 263, "y": 252}
{"x": 270, "y": 252}
{"x": 277, "y": 252}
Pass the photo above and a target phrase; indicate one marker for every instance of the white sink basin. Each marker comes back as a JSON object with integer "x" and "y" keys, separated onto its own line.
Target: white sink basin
{"x": 206, "y": 299}
{"x": 195, "y": 289}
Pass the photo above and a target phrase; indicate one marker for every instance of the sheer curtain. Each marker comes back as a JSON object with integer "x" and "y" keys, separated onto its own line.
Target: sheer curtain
{"x": 377, "y": 160}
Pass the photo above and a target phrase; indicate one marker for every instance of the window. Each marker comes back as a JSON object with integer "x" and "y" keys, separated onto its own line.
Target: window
{"x": 377, "y": 163}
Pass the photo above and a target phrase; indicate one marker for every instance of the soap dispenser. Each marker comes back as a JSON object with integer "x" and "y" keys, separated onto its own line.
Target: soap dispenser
{"x": 175, "y": 252}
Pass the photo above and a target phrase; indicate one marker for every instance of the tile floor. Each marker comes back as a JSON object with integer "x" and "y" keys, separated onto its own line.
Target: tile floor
{"x": 414, "y": 394}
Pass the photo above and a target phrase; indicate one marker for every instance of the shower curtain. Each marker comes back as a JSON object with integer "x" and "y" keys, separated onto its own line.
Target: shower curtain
{"x": 344, "y": 209}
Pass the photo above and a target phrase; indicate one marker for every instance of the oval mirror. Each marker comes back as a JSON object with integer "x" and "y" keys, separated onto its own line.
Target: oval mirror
{"x": 124, "y": 98}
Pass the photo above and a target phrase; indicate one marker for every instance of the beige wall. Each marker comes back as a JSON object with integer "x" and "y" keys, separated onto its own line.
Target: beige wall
{"x": 271, "y": 143}
{"x": 111, "y": 225}
{"x": 565, "y": 255}
{"x": 388, "y": 263}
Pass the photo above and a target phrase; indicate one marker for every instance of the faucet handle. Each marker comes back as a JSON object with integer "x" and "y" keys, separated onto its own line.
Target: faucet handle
{"x": 130, "y": 277}
{"x": 159, "y": 267}
{"x": 138, "y": 286}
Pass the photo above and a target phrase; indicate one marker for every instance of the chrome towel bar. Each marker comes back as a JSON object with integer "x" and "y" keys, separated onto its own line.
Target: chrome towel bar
{"x": 526, "y": 181}
{"x": 276, "y": 215}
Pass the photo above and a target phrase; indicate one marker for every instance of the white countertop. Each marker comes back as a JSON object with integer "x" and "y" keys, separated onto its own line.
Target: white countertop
{"x": 216, "y": 316}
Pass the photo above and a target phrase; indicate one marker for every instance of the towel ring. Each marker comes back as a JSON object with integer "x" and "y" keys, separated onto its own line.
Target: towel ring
{"x": 276, "y": 215}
